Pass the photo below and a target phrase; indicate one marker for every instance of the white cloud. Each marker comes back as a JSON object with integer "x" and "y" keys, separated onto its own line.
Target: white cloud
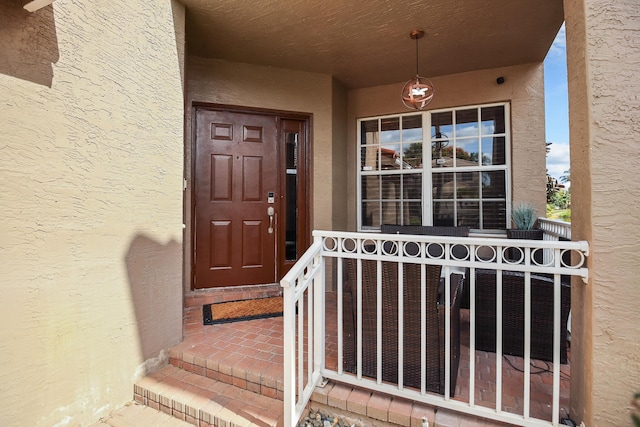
{"x": 558, "y": 160}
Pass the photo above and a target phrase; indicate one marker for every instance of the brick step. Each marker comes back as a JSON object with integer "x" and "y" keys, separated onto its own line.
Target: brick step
{"x": 134, "y": 414}
{"x": 366, "y": 408}
{"x": 248, "y": 358}
{"x": 206, "y": 402}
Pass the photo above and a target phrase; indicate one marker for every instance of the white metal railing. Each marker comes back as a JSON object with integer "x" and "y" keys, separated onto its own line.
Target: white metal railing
{"x": 304, "y": 290}
{"x": 555, "y": 229}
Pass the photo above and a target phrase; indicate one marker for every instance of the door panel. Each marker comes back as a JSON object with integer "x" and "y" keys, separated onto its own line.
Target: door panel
{"x": 236, "y": 167}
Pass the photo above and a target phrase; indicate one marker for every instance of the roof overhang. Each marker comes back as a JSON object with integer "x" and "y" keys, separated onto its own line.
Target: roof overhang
{"x": 367, "y": 44}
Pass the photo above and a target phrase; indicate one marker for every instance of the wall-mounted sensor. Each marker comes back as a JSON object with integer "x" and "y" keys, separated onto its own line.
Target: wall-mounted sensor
{"x": 500, "y": 80}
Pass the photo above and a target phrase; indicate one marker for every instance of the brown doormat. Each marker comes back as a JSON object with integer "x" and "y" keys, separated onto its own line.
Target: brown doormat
{"x": 233, "y": 311}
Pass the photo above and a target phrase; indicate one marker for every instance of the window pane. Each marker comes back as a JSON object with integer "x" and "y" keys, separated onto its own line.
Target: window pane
{"x": 443, "y": 185}
{"x": 468, "y": 143}
{"x": 370, "y": 187}
{"x": 391, "y": 213}
{"x": 469, "y": 214}
{"x": 389, "y": 157}
{"x": 442, "y": 154}
{"x": 494, "y": 215}
{"x": 492, "y": 120}
{"x": 412, "y": 156}
{"x": 442, "y": 125}
{"x": 412, "y": 213}
{"x": 467, "y": 152}
{"x": 291, "y": 247}
{"x": 493, "y": 150}
{"x": 412, "y": 128}
{"x": 443, "y": 214}
{"x": 369, "y": 158}
{"x": 390, "y": 130}
{"x": 391, "y": 187}
{"x": 291, "y": 149}
{"x": 466, "y": 123}
{"x": 371, "y": 214}
{"x": 493, "y": 185}
{"x": 412, "y": 186}
{"x": 467, "y": 185}
{"x": 369, "y": 132}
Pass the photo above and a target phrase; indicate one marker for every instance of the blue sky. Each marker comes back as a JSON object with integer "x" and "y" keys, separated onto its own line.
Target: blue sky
{"x": 557, "y": 106}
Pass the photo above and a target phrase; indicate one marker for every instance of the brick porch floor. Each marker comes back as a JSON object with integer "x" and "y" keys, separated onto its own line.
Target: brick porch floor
{"x": 249, "y": 356}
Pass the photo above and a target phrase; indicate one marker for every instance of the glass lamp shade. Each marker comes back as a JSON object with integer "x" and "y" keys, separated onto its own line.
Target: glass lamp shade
{"x": 417, "y": 93}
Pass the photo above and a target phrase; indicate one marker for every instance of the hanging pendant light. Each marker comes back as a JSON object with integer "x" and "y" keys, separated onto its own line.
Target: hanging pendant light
{"x": 418, "y": 92}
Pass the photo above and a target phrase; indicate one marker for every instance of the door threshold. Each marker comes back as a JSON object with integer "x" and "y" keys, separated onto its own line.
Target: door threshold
{"x": 199, "y": 297}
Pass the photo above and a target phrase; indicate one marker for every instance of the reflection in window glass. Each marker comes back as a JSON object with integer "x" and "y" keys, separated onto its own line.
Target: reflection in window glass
{"x": 493, "y": 150}
{"x": 443, "y": 185}
{"x": 291, "y": 185}
{"x": 391, "y": 187}
{"x": 370, "y": 187}
{"x": 469, "y": 143}
{"x": 442, "y": 125}
{"x": 391, "y": 212}
{"x": 441, "y": 154}
{"x": 390, "y": 130}
{"x": 412, "y": 186}
{"x": 466, "y": 123}
{"x": 443, "y": 214}
{"x": 413, "y": 213}
{"x": 467, "y": 186}
{"x": 370, "y": 214}
{"x": 494, "y": 215}
{"x": 467, "y": 152}
{"x": 412, "y": 155}
{"x": 472, "y": 190}
{"x": 493, "y": 185}
{"x": 492, "y": 120}
{"x": 412, "y": 128}
{"x": 369, "y": 132}
{"x": 468, "y": 214}
{"x": 389, "y": 157}
{"x": 369, "y": 158}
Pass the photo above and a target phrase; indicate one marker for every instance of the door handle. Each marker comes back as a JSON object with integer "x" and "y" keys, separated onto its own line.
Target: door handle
{"x": 270, "y": 212}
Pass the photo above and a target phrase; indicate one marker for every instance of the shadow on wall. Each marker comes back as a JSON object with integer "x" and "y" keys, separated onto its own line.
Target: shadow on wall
{"x": 28, "y": 42}
{"x": 155, "y": 280}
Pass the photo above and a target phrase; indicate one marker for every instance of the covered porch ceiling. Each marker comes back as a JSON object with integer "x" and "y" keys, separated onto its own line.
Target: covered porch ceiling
{"x": 366, "y": 43}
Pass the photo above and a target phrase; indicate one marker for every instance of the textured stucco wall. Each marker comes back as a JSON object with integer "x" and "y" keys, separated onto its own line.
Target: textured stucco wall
{"x": 91, "y": 148}
{"x": 523, "y": 88}
{"x": 339, "y": 161}
{"x": 603, "y": 53}
{"x": 228, "y": 83}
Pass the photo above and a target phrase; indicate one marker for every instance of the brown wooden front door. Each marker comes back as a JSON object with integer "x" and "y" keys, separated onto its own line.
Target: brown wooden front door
{"x": 235, "y": 172}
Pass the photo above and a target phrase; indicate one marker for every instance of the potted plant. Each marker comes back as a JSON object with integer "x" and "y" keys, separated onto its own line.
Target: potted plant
{"x": 524, "y": 217}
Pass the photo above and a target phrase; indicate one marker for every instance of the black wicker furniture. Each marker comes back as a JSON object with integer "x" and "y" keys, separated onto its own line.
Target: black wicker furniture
{"x": 435, "y": 324}
{"x": 542, "y": 298}
{"x": 457, "y": 251}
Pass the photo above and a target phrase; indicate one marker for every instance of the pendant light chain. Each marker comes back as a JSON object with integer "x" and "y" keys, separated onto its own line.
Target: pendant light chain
{"x": 417, "y": 71}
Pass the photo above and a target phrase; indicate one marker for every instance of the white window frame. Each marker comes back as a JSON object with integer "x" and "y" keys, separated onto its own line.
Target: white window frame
{"x": 427, "y": 198}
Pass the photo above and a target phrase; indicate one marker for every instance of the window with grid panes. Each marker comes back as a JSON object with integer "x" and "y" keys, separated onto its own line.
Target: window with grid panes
{"x": 466, "y": 168}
